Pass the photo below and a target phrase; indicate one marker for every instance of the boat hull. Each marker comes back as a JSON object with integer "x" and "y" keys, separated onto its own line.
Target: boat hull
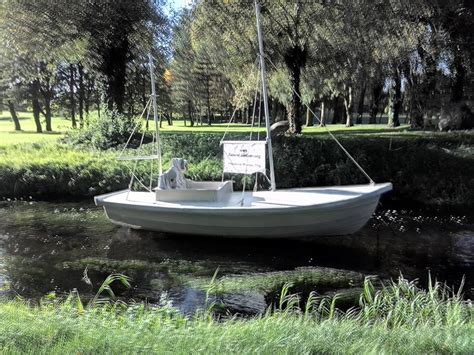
{"x": 260, "y": 217}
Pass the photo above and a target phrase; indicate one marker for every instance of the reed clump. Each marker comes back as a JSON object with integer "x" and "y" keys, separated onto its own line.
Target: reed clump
{"x": 399, "y": 318}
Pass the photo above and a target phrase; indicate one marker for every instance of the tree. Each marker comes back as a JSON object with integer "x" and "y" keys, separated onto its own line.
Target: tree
{"x": 228, "y": 30}
{"x": 182, "y": 67}
{"x": 11, "y": 90}
{"x": 113, "y": 33}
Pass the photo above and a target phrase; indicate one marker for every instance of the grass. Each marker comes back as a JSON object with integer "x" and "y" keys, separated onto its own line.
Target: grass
{"x": 434, "y": 171}
{"x": 401, "y": 318}
{"x": 431, "y": 168}
{"x": 8, "y": 135}
{"x": 56, "y": 170}
{"x": 178, "y": 127}
{"x": 303, "y": 277}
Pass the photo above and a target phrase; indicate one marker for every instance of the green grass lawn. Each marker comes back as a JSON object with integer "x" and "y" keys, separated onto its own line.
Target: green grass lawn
{"x": 8, "y": 135}
{"x": 179, "y": 127}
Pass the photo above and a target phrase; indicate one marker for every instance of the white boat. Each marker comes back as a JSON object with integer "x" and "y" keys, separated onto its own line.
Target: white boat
{"x": 314, "y": 211}
{"x": 178, "y": 205}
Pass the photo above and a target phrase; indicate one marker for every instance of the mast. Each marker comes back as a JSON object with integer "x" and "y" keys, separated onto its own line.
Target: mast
{"x": 155, "y": 113}
{"x": 265, "y": 96}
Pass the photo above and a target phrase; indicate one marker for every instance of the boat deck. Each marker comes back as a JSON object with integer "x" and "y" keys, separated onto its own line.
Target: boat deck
{"x": 284, "y": 198}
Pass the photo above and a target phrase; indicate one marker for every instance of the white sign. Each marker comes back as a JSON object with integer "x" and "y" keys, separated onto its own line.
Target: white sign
{"x": 244, "y": 157}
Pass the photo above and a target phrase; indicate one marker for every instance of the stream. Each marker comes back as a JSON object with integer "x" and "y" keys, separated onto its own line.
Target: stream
{"x": 58, "y": 247}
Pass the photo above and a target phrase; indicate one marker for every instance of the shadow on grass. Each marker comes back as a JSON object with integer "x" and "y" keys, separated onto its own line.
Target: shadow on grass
{"x": 34, "y": 132}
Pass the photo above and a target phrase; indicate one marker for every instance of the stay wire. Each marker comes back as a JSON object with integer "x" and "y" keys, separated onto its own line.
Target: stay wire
{"x": 372, "y": 182}
{"x": 133, "y": 176}
{"x": 135, "y": 128}
{"x": 235, "y": 110}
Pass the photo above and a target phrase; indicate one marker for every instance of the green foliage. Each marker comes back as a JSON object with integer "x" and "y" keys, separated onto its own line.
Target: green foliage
{"x": 432, "y": 170}
{"x": 107, "y": 288}
{"x": 300, "y": 279}
{"x": 402, "y": 302}
{"x": 111, "y": 130}
{"x": 57, "y": 171}
{"x": 434, "y": 322}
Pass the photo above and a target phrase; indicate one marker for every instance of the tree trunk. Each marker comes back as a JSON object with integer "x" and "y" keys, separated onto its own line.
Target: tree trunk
{"x": 86, "y": 110}
{"x": 360, "y": 106}
{"x": 338, "y": 111}
{"x": 36, "y": 105}
{"x": 457, "y": 91}
{"x": 248, "y": 117}
{"x": 36, "y": 114}
{"x": 294, "y": 107}
{"x": 374, "y": 107}
{"x": 16, "y": 121}
{"x": 208, "y": 102}
{"x": 72, "y": 99}
{"x": 47, "y": 113}
{"x": 274, "y": 110}
{"x": 309, "y": 116}
{"x": 47, "y": 94}
{"x": 395, "y": 100}
{"x": 115, "y": 68}
{"x": 80, "y": 70}
{"x": 190, "y": 113}
{"x": 348, "y": 107}
{"x": 144, "y": 87}
{"x": 97, "y": 102}
{"x": 322, "y": 115}
{"x": 90, "y": 86}
{"x": 295, "y": 60}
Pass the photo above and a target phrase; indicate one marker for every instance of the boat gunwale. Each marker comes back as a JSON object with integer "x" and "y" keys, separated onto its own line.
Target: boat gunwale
{"x": 224, "y": 210}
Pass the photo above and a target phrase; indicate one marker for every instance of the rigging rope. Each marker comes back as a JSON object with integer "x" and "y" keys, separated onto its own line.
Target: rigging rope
{"x": 147, "y": 107}
{"x": 372, "y": 182}
{"x": 259, "y": 97}
{"x": 136, "y": 126}
{"x": 236, "y": 107}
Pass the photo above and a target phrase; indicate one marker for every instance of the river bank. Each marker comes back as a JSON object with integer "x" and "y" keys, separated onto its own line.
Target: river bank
{"x": 46, "y": 249}
{"x": 397, "y": 319}
{"x": 435, "y": 170}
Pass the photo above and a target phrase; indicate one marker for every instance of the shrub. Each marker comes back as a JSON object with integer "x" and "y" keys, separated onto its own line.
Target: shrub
{"x": 437, "y": 170}
{"x": 112, "y": 129}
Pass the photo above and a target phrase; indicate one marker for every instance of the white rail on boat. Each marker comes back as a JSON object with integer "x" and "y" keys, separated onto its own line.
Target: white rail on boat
{"x": 144, "y": 157}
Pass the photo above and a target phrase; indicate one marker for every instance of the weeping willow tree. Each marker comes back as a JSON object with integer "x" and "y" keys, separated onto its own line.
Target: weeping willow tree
{"x": 289, "y": 27}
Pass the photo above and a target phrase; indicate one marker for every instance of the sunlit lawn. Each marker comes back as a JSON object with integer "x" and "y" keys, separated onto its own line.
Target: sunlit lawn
{"x": 8, "y": 135}
{"x": 178, "y": 127}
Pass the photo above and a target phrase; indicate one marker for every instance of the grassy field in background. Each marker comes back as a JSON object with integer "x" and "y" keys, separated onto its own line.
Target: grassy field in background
{"x": 178, "y": 127}
{"x": 8, "y": 135}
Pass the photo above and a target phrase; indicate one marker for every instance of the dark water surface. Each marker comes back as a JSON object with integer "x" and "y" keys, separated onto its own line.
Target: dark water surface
{"x": 46, "y": 247}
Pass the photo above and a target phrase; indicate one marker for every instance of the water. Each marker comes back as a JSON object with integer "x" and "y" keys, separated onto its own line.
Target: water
{"x": 47, "y": 247}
